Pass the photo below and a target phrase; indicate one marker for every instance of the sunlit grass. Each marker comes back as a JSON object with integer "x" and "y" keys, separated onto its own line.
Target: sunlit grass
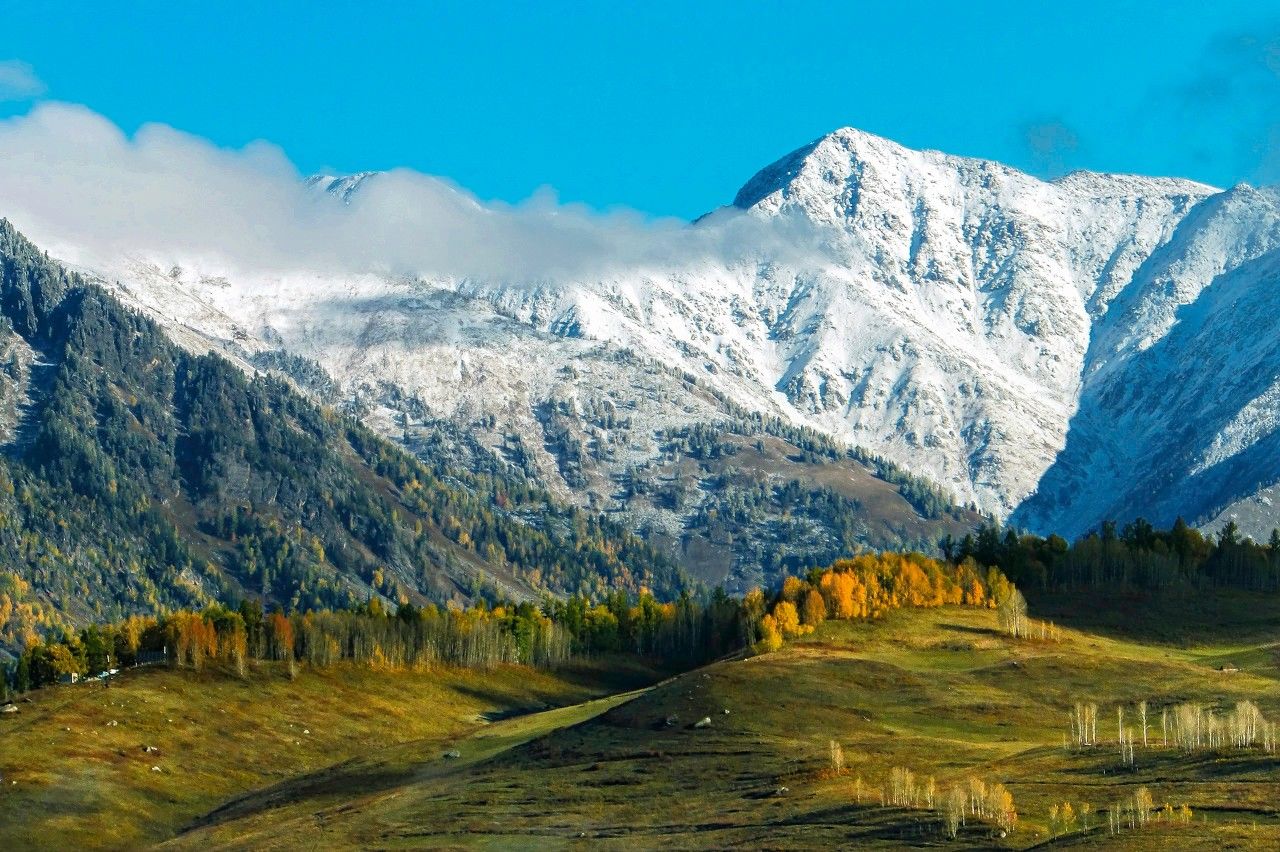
{"x": 75, "y": 772}
{"x": 938, "y": 691}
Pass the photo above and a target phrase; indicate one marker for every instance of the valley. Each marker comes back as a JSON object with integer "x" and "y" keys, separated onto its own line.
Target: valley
{"x": 639, "y": 426}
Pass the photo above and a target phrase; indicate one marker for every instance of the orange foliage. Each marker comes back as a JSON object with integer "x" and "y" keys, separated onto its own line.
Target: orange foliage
{"x": 770, "y": 635}
{"x": 869, "y": 585}
{"x": 792, "y": 588}
{"x": 814, "y": 610}
{"x": 281, "y": 637}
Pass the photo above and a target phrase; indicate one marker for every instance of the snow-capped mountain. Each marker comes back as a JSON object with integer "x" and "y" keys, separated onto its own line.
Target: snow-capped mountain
{"x": 1056, "y": 352}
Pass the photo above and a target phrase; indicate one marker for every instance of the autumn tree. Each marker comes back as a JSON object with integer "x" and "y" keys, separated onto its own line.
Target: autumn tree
{"x": 770, "y": 635}
{"x": 837, "y": 757}
{"x": 955, "y": 809}
{"x": 787, "y": 618}
{"x": 814, "y": 610}
{"x": 1011, "y": 609}
{"x": 1142, "y": 804}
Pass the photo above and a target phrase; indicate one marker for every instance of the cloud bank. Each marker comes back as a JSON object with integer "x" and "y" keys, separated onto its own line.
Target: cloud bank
{"x": 81, "y": 188}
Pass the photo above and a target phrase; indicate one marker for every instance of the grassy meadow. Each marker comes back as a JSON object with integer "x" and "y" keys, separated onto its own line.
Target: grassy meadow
{"x": 75, "y": 772}
{"x": 940, "y": 692}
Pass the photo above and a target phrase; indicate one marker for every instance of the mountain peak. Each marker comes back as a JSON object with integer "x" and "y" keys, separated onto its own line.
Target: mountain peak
{"x": 961, "y": 318}
{"x": 847, "y": 143}
{"x": 825, "y": 176}
{"x": 340, "y": 186}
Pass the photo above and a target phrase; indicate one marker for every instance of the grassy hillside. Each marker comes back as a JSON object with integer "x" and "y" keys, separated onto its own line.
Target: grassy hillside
{"x": 75, "y": 772}
{"x": 940, "y": 692}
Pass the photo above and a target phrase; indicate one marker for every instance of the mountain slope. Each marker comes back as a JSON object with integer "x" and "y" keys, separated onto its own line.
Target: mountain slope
{"x": 596, "y": 421}
{"x": 1179, "y": 409}
{"x": 966, "y": 292}
{"x": 139, "y": 476}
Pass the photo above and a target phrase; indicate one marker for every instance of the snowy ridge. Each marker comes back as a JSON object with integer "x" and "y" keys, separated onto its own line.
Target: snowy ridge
{"x": 1059, "y": 352}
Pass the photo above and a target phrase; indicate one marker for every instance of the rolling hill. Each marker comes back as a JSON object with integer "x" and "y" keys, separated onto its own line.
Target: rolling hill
{"x": 938, "y": 692}
{"x": 941, "y": 692}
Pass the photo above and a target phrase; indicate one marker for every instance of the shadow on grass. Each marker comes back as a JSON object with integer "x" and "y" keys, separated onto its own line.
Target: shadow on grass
{"x": 347, "y": 779}
{"x": 1178, "y": 617}
{"x": 975, "y": 631}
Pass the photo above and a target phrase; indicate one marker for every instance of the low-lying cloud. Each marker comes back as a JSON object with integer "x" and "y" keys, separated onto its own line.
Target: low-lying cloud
{"x": 81, "y": 188}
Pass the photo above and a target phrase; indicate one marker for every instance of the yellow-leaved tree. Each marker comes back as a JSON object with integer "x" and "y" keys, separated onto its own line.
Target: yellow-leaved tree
{"x": 788, "y": 619}
{"x": 770, "y": 635}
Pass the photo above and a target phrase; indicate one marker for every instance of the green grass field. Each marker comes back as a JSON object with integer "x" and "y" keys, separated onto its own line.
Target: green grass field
{"x": 937, "y": 691}
{"x": 940, "y": 692}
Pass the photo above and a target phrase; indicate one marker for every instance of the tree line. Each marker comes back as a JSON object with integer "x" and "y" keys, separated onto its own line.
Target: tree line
{"x": 1189, "y": 726}
{"x": 972, "y": 799}
{"x": 1136, "y": 556}
{"x": 685, "y": 631}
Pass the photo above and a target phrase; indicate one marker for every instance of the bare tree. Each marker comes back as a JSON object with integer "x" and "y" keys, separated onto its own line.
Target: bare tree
{"x": 955, "y": 810}
{"x": 1012, "y": 613}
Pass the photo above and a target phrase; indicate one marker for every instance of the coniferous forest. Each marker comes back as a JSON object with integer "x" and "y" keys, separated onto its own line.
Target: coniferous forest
{"x": 1135, "y": 556}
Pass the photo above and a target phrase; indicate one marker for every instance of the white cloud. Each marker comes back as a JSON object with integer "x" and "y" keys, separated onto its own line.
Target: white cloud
{"x": 18, "y": 81}
{"x": 84, "y": 190}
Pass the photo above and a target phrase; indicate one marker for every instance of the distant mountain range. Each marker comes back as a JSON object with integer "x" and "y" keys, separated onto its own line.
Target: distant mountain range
{"x": 921, "y": 333}
{"x": 1054, "y": 352}
{"x": 136, "y": 476}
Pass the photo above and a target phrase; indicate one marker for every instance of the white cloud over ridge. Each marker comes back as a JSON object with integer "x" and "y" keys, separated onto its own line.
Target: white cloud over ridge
{"x": 80, "y": 187}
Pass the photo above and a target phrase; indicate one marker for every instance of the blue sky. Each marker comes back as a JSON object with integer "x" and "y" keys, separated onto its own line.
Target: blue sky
{"x": 668, "y": 108}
